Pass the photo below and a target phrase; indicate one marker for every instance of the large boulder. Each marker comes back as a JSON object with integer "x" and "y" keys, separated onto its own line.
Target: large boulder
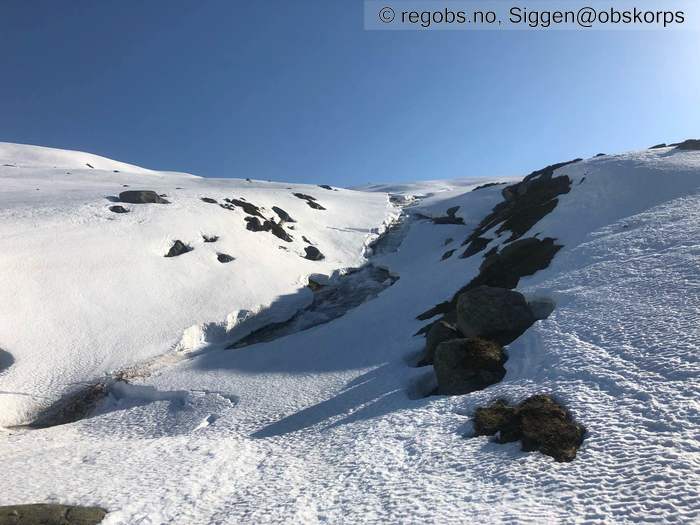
{"x": 539, "y": 422}
{"x": 142, "y": 197}
{"x": 493, "y": 313}
{"x": 439, "y": 332}
{"x": 467, "y": 365}
{"x": 50, "y": 514}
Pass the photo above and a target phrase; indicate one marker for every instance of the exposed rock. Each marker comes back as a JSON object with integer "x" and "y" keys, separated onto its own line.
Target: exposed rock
{"x": 118, "y": 209}
{"x": 6, "y": 360}
{"x": 449, "y": 218}
{"x": 439, "y": 332}
{"x": 447, "y": 254}
{"x": 50, "y": 514}
{"x": 247, "y": 207}
{"x": 313, "y": 285}
{"x": 210, "y": 238}
{"x": 224, "y": 258}
{"x": 315, "y": 205}
{"x": 307, "y": 241}
{"x": 488, "y": 185}
{"x": 313, "y": 254}
{"x": 304, "y": 196}
{"x": 476, "y": 245}
{"x": 210, "y": 200}
{"x": 601, "y": 155}
{"x": 178, "y": 248}
{"x": 283, "y": 215}
{"x": 518, "y": 259}
{"x": 467, "y": 365}
{"x": 89, "y": 165}
{"x": 254, "y": 224}
{"x": 311, "y": 201}
{"x": 657, "y": 146}
{"x": 141, "y": 197}
{"x": 438, "y": 309}
{"x": 325, "y": 187}
{"x": 526, "y": 202}
{"x": 73, "y": 407}
{"x": 448, "y": 241}
{"x": 539, "y": 422}
{"x": 496, "y": 314}
{"x": 503, "y": 269}
{"x": 279, "y": 232}
{"x": 689, "y": 145}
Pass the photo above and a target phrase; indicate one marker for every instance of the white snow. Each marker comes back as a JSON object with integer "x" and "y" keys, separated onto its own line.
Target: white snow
{"x": 329, "y": 425}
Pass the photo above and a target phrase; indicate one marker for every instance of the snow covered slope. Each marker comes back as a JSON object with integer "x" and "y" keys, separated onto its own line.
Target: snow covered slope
{"x": 88, "y": 291}
{"x": 335, "y": 424}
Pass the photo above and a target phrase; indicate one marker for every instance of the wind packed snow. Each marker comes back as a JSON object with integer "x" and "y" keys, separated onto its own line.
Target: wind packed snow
{"x": 334, "y": 423}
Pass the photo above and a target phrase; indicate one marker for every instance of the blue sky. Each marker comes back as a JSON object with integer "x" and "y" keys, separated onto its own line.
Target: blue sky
{"x": 299, "y": 91}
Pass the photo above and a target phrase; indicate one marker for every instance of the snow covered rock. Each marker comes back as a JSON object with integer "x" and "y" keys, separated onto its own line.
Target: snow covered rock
{"x": 465, "y": 365}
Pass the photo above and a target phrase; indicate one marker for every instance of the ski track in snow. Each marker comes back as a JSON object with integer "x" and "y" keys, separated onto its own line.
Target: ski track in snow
{"x": 318, "y": 427}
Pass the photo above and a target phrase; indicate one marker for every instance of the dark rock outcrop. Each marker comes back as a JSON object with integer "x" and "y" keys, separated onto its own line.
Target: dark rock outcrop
{"x": 503, "y": 269}
{"x": 657, "y": 146}
{"x": 518, "y": 259}
{"x": 209, "y": 200}
{"x": 325, "y": 187}
{"x": 526, "y": 202}
{"x": 539, "y": 422}
{"x": 313, "y": 254}
{"x": 118, "y": 209}
{"x": 142, "y": 197}
{"x": 311, "y": 201}
{"x": 476, "y": 245}
{"x": 449, "y": 217}
{"x": 488, "y": 185}
{"x": 50, "y": 514}
{"x": 283, "y": 215}
{"x": 447, "y": 255}
{"x": 73, "y": 407}
{"x": 496, "y": 314}
{"x": 689, "y": 145}
{"x": 254, "y": 225}
{"x": 224, "y": 258}
{"x": 6, "y": 360}
{"x": 467, "y": 365}
{"x": 178, "y": 248}
{"x": 247, "y": 207}
{"x": 439, "y": 332}
{"x": 210, "y": 238}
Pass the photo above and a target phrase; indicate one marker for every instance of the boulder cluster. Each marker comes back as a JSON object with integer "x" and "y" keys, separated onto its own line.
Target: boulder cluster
{"x": 465, "y": 345}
